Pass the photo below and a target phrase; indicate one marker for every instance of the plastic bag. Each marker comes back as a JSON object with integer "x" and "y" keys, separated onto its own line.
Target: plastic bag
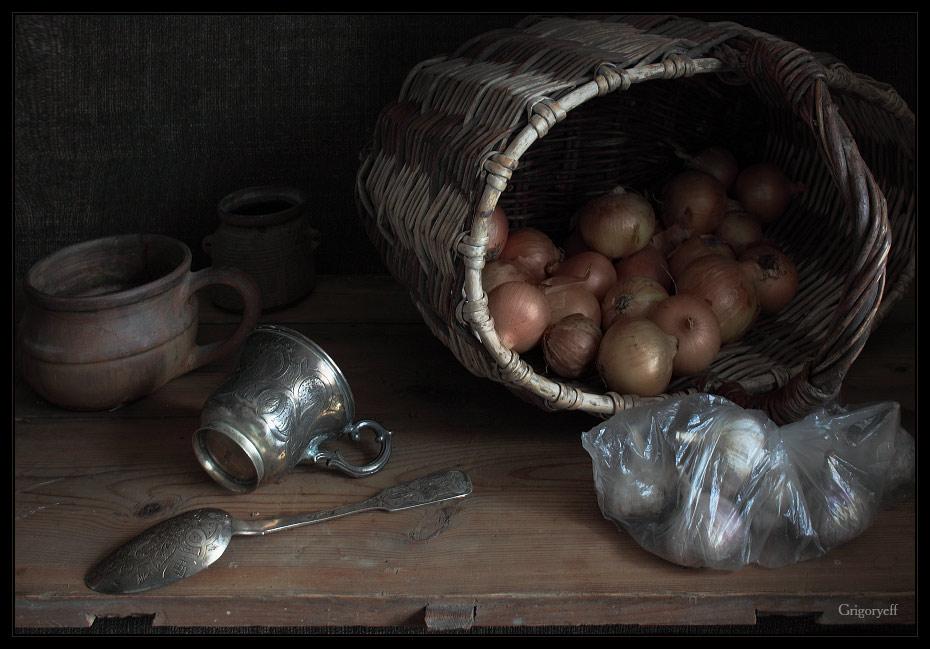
{"x": 702, "y": 482}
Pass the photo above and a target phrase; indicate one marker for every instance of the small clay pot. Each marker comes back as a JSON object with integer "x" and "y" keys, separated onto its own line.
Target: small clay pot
{"x": 265, "y": 231}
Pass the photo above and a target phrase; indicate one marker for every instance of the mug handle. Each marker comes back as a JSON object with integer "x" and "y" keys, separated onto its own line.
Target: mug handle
{"x": 247, "y": 289}
{"x": 335, "y": 459}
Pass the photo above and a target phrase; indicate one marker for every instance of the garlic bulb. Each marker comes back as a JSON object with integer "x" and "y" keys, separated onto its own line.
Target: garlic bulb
{"x": 901, "y": 470}
{"x": 645, "y": 481}
{"x": 708, "y": 531}
{"x": 740, "y": 443}
{"x": 637, "y": 494}
{"x": 724, "y": 453}
{"x": 845, "y": 506}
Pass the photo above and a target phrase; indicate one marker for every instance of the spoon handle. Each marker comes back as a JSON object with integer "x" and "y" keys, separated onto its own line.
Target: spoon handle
{"x": 422, "y": 491}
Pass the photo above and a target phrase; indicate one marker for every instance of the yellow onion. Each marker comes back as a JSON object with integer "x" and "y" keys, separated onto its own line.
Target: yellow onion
{"x": 497, "y": 272}
{"x": 532, "y": 249}
{"x": 570, "y": 345}
{"x": 631, "y": 297}
{"x": 775, "y": 275}
{"x": 521, "y": 314}
{"x": 498, "y": 229}
{"x": 635, "y": 357}
{"x": 697, "y": 245}
{"x": 694, "y": 200}
{"x": 727, "y": 288}
{"x": 617, "y": 224}
{"x": 695, "y": 326}
{"x": 765, "y": 191}
{"x": 595, "y": 269}
{"x": 740, "y": 230}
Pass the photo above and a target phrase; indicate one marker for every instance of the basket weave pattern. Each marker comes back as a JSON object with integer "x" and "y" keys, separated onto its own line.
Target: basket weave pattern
{"x": 545, "y": 116}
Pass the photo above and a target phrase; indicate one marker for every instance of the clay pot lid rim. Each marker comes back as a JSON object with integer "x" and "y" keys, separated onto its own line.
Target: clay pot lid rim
{"x": 259, "y": 194}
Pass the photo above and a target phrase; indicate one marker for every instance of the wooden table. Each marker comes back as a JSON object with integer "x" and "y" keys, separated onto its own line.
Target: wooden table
{"x": 528, "y": 548}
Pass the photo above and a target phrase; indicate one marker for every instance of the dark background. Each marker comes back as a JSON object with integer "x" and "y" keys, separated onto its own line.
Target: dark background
{"x": 143, "y": 122}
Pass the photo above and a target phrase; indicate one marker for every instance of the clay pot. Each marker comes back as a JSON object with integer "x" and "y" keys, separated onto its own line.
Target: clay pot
{"x": 111, "y": 320}
{"x": 265, "y": 231}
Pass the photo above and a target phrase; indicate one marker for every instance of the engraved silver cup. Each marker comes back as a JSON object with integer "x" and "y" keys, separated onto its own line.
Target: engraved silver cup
{"x": 286, "y": 399}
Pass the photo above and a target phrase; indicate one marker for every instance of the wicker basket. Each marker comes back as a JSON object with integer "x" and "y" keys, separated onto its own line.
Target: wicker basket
{"x": 542, "y": 117}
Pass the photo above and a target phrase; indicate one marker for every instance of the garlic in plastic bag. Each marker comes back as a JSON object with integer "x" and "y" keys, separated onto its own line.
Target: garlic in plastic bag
{"x": 702, "y": 482}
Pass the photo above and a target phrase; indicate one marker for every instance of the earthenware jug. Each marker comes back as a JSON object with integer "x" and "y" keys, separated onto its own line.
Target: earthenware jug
{"x": 111, "y": 320}
{"x": 265, "y": 231}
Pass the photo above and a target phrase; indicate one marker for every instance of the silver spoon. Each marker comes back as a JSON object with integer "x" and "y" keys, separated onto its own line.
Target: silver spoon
{"x": 187, "y": 543}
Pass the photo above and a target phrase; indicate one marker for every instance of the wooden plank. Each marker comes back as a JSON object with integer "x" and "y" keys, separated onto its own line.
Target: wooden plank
{"x": 529, "y": 547}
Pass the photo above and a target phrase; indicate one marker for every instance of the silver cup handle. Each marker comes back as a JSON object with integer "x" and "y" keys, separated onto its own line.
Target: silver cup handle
{"x": 333, "y": 459}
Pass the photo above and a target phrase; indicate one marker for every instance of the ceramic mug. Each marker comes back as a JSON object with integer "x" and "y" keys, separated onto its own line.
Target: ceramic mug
{"x": 285, "y": 400}
{"x": 111, "y": 320}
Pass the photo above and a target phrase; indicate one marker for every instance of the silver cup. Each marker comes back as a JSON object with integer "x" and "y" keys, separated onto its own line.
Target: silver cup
{"x": 286, "y": 399}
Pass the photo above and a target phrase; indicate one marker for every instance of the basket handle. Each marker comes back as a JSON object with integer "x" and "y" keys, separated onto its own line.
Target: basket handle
{"x": 803, "y": 81}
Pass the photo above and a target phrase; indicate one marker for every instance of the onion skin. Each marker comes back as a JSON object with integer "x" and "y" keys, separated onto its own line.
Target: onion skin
{"x": 617, "y": 224}
{"x": 521, "y": 315}
{"x": 567, "y": 295}
{"x": 595, "y": 269}
{"x": 631, "y": 297}
{"x": 693, "y": 323}
{"x": 532, "y": 249}
{"x": 670, "y": 238}
{"x": 775, "y": 276}
{"x": 570, "y": 345}
{"x": 726, "y": 286}
{"x": 765, "y": 191}
{"x": 694, "y": 200}
{"x": 499, "y": 271}
{"x": 635, "y": 357}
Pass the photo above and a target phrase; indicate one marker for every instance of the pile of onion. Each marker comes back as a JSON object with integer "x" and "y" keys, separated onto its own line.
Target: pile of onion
{"x": 639, "y": 302}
